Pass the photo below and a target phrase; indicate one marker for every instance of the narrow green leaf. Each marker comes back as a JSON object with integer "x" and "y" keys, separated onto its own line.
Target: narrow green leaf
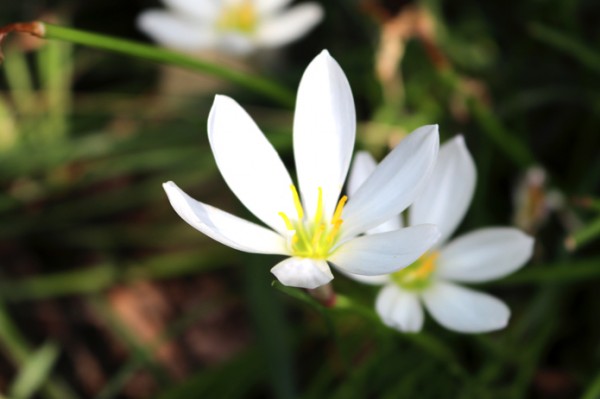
{"x": 271, "y": 329}
{"x": 130, "y": 48}
{"x": 561, "y": 41}
{"x": 34, "y": 372}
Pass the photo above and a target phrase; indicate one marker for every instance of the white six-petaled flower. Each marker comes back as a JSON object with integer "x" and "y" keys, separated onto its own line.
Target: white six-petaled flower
{"x": 315, "y": 226}
{"x": 481, "y": 255}
{"x": 235, "y": 26}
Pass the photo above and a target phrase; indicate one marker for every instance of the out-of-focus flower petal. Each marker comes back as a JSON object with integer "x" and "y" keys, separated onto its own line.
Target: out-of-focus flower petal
{"x": 267, "y": 7}
{"x": 175, "y": 31}
{"x": 224, "y": 227}
{"x": 302, "y": 272}
{"x": 464, "y": 310}
{"x": 384, "y": 253}
{"x": 249, "y": 163}
{"x": 447, "y": 194}
{"x": 484, "y": 254}
{"x": 324, "y": 132}
{"x": 399, "y": 309}
{"x": 394, "y": 184}
{"x": 202, "y": 10}
{"x": 289, "y": 25}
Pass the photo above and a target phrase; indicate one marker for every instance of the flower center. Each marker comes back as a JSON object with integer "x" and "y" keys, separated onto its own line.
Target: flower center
{"x": 417, "y": 276}
{"x": 238, "y": 17}
{"x": 313, "y": 238}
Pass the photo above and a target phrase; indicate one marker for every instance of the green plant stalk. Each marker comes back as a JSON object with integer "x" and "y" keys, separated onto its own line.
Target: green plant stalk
{"x": 19, "y": 351}
{"x": 130, "y": 48}
{"x": 35, "y": 372}
{"x": 587, "y": 56}
{"x": 593, "y": 390}
{"x": 163, "y": 56}
{"x": 583, "y": 236}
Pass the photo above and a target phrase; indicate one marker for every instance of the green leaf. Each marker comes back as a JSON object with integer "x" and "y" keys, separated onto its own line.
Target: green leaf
{"x": 34, "y": 372}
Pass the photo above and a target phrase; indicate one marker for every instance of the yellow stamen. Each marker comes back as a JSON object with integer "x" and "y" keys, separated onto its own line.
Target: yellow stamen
{"x": 287, "y": 221}
{"x": 338, "y": 210}
{"x": 334, "y": 232}
{"x": 317, "y": 237}
{"x": 297, "y": 203}
{"x": 427, "y": 266}
{"x": 417, "y": 276}
{"x": 319, "y": 212}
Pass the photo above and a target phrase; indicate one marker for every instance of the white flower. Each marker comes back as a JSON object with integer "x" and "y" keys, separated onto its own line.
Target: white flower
{"x": 482, "y": 255}
{"x": 235, "y": 26}
{"x": 317, "y": 226}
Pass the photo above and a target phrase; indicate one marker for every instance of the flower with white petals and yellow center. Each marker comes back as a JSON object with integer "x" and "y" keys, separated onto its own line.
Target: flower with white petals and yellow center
{"x": 482, "y": 255}
{"x": 313, "y": 226}
{"x": 234, "y": 26}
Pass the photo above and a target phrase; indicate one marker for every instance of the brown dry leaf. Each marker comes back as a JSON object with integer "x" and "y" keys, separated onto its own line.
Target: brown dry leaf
{"x": 146, "y": 311}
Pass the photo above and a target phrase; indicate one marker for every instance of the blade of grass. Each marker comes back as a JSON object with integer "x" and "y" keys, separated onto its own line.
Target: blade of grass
{"x": 34, "y": 372}
{"x": 561, "y": 41}
{"x": 257, "y": 84}
{"x": 271, "y": 329}
{"x": 19, "y": 351}
{"x": 565, "y": 272}
{"x": 593, "y": 390}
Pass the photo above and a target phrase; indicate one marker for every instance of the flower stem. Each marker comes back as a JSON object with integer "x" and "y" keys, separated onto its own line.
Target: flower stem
{"x": 48, "y": 31}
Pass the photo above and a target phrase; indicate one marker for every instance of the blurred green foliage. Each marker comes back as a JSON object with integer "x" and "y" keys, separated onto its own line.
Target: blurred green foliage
{"x": 87, "y": 138}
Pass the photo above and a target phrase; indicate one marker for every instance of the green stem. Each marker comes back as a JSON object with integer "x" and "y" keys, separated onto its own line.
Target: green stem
{"x": 583, "y": 236}
{"x": 19, "y": 350}
{"x": 140, "y": 50}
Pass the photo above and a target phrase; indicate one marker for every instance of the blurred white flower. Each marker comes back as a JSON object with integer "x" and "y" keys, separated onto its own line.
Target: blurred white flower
{"x": 482, "y": 255}
{"x": 317, "y": 226}
{"x": 235, "y": 26}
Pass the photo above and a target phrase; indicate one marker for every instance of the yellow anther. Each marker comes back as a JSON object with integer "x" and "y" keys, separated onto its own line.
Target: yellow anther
{"x": 337, "y": 215}
{"x": 287, "y": 221}
{"x": 319, "y": 212}
{"x": 297, "y": 203}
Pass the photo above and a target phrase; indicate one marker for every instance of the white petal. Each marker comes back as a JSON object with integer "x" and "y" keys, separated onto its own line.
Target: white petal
{"x": 370, "y": 280}
{"x": 485, "y": 254}
{"x": 202, "y": 10}
{"x": 249, "y": 163}
{"x": 288, "y": 26}
{"x": 324, "y": 131}
{"x": 464, "y": 310}
{"x": 447, "y": 194}
{"x": 266, "y": 7}
{"x": 362, "y": 167}
{"x": 302, "y": 272}
{"x": 399, "y": 309}
{"x": 224, "y": 227}
{"x": 174, "y": 31}
{"x": 394, "y": 184}
{"x": 384, "y": 253}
